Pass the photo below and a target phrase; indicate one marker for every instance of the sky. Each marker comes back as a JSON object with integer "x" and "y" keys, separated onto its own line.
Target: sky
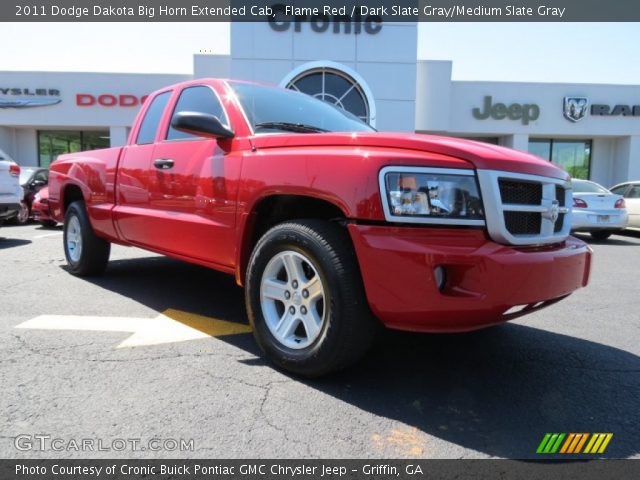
{"x": 535, "y": 52}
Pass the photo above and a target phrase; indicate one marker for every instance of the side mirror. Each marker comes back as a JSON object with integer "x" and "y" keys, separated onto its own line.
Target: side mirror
{"x": 201, "y": 124}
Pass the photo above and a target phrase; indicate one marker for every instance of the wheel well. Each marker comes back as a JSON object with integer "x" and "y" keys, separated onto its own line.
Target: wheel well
{"x": 276, "y": 209}
{"x": 71, "y": 194}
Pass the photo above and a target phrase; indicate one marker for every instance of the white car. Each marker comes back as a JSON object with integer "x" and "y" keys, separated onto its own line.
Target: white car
{"x": 10, "y": 190}
{"x": 596, "y": 210}
{"x": 631, "y": 193}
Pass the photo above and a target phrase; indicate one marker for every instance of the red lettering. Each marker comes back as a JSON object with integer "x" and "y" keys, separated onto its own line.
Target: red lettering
{"x": 85, "y": 100}
{"x": 128, "y": 101}
{"x": 107, "y": 100}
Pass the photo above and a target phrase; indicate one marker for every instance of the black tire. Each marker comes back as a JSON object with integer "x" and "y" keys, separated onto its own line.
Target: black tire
{"x": 48, "y": 223}
{"x": 348, "y": 328}
{"x": 24, "y": 214}
{"x": 600, "y": 235}
{"x": 94, "y": 252}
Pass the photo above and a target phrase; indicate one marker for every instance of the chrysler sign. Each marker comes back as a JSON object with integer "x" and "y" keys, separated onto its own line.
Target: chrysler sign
{"x": 17, "y": 97}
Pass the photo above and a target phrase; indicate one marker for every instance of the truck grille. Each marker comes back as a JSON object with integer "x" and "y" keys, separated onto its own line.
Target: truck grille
{"x": 525, "y": 209}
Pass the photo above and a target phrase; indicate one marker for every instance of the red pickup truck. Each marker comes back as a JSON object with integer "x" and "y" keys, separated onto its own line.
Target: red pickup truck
{"x": 331, "y": 227}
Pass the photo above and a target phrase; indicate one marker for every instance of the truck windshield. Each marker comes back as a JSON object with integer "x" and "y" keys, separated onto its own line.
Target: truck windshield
{"x": 271, "y": 110}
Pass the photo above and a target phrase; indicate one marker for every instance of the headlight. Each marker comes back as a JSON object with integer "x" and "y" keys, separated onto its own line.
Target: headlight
{"x": 431, "y": 195}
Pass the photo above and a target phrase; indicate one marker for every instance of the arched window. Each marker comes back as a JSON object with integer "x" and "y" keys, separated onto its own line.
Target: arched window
{"x": 335, "y": 86}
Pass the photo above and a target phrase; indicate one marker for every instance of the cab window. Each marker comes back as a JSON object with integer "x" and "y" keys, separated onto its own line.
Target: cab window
{"x": 201, "y": 99}
{"x": 151, "y": 120}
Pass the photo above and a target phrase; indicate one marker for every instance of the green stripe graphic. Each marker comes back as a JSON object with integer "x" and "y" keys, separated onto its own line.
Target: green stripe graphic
{"x": 543, "y": 443}
{"x": 557, "y": 444}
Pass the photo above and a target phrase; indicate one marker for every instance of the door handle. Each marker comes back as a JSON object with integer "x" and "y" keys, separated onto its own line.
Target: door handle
{"x": 163, "y": 163}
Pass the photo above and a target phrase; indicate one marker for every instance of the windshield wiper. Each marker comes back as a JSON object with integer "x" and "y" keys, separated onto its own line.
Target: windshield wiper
{"x": 291, "y": 127}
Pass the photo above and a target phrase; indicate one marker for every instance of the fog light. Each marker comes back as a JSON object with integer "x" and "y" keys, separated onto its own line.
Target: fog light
{"x": 440, "y": 276}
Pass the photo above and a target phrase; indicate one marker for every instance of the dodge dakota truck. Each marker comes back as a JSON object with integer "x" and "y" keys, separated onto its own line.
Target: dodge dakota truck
{"x": 331, "y": 227}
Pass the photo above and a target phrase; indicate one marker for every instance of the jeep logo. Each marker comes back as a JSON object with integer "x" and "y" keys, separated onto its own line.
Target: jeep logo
{"x": 524, "y": 112}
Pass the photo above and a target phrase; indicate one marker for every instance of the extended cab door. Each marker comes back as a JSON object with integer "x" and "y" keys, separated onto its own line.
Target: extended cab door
{"x": 193, "y": 186}
{"x": 132, "y": 214}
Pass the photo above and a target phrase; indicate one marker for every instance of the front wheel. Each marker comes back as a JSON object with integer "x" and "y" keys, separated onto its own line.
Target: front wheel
{"x": 305, "y": 298}
{"x": 86, "y": 253}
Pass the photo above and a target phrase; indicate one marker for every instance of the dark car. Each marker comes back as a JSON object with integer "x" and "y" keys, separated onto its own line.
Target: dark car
{"x": 40, "y": 209}
{"x": 32, "y": 180}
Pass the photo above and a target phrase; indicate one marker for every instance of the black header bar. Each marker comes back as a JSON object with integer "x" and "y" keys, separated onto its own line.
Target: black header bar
{"x": 319, "y": 10}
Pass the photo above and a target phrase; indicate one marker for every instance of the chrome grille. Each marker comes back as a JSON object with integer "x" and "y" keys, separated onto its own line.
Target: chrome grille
{"x": 525, "y": 209}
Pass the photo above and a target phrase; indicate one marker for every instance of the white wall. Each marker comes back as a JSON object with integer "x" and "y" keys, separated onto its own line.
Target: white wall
{"x": 386, "y": 60}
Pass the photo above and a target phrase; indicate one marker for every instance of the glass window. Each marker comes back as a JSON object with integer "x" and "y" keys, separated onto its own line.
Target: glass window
{"x": 151, "y": 120}
{"x": 52, "y": 143}
{"x": 334, "y": 87}
{"x": 619, "y": 190}
{"x": 271, "y": 110}
{"x": 541, "y": 148}
{"x": 584, "y": 186}
{"x": 574, "y": 156}
{"x": 197, "y": 99}
{"x": 634, "y": 192}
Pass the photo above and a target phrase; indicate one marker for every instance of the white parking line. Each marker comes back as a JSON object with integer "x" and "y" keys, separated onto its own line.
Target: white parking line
{"x": 47, "y": 235}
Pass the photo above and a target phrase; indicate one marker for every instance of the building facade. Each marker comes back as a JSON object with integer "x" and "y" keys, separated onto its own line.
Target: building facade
{"x": 369, "y": 68}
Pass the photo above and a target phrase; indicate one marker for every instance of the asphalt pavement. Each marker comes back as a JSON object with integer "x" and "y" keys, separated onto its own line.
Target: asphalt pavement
{"x": 152, "y": 360}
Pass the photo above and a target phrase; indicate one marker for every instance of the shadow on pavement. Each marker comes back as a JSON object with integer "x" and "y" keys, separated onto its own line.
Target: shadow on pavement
{"x": 12, "y": 242}
{"x": 496, "y": 391}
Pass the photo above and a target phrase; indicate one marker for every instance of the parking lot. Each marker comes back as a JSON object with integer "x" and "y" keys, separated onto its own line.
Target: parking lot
{"x": 157, "y": 349}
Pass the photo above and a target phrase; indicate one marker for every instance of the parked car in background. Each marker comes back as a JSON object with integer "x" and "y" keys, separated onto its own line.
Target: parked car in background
{"x": 10, "y": 191}
{"x": 32, "y": 179}
{"x": 596, "y": 210}
{"x": 40, "y": 209}
{"x": 631, "y": 193}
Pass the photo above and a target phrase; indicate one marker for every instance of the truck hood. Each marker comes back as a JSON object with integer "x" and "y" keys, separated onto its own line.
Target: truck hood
{"x": 480, "y": 155}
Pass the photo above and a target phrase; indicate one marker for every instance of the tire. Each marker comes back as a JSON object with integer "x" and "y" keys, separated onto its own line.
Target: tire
{"x": 601, "y": 235}
{"x": 86, "y": 253}
{"x": 22, "y": 218}
{"x": 48, "y": 223}
{"x": 316, "y": 330}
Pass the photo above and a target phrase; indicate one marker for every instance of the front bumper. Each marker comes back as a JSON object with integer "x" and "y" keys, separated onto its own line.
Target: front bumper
{"x": 483, "y": 279}
{"x": 8, "y": 210}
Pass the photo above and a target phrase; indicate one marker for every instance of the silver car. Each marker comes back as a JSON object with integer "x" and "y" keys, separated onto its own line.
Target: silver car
{"x": 631, "y": 193}
{"x": 596, "y": 210}
{"x": 10, "y": 191}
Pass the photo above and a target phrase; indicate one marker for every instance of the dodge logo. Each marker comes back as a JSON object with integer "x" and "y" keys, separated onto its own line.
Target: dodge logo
{"x": 575, "y": 108}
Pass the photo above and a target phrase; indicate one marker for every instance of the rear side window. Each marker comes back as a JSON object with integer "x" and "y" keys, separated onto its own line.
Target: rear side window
{"x": 151, "y": 120}
{"x": 200, "y": 99}
{"x": 634, "y": 192}
{"x": 619, "y": 190}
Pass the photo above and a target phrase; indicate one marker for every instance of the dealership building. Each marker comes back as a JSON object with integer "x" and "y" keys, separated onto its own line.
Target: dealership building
{"x": 370, "y": 69}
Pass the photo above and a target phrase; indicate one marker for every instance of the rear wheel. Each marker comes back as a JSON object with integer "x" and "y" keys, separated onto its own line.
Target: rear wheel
{"x": 86, "y": 253}
{"x": 305, "y": 298}
{"x": 601, "y": 235}
{"x": 23, "y": 214}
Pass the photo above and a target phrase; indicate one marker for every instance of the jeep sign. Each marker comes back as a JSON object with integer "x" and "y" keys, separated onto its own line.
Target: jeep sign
{"x": 524, "y": 112}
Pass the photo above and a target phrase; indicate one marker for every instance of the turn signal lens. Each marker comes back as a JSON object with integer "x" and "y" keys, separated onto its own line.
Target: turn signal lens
{"x": 14, "y": 170}
{"x": 620, "y": 203}
{"x": 579, "y": 203}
